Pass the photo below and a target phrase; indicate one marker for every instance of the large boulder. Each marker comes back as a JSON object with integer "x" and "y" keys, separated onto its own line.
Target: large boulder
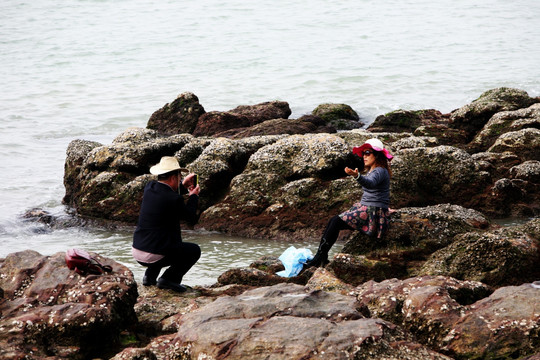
{"x": 180, "y": 116}
{"x": 76, "y": 153}
{"x": 339, "y": 116}
{"x": 462, "y": 319}
{"x": 287, "y": 322}
{"x": 287, "y": 188}
{"x": 441, "y": 174}
{"x": 472, "y": 117}
{"x": 279, "y": 126}
{"x": 507, "y": 256}
{"x": 264, "y": 111}
{"x": 220, "y": 161}
{"x": 506, "y": 121}
{"x": 110, "y": 181}
{"x": 421, "y": 230}
{"x": 525, "y": 143}
{"x": 505, "y": 324}
{"x": 518, "y": 194}
{"x": 407, "y": 120}
{"x": 215, "y": 122}
{"x": 49, "y": 310}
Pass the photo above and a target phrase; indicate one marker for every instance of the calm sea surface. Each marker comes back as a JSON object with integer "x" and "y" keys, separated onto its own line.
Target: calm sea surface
{"x": 89, "y": 69}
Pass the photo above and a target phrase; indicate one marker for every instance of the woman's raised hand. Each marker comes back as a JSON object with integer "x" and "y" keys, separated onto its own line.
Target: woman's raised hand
{"x": 351, "y": 172}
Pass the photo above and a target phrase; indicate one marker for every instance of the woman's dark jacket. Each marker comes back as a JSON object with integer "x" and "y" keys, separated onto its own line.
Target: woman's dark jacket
{"x": 158, "y": 228}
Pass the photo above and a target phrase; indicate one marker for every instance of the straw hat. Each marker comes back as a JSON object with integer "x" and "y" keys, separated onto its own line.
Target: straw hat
{"x": 165, "y": 165}
{"x": 374, "y": 144}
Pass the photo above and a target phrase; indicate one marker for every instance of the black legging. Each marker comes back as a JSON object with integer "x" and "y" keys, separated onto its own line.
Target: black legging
{"x": 334, "y": 226}
{"x": 179, "y": 261}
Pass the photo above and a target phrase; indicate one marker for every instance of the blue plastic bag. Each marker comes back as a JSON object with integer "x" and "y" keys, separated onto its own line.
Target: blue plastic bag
{"x": 294, "y": 259}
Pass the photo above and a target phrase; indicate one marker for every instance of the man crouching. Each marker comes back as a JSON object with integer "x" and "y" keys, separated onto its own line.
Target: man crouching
{"x": 157, "y": 241}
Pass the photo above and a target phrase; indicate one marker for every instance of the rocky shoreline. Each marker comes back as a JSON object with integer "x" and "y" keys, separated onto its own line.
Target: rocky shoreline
{"x": 446, "y": 282}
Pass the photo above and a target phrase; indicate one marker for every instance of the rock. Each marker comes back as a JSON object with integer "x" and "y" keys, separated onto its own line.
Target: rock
{"x": 220, "y": 161}
{"x": 339, "y": 116}
{"x": 506, "y": 121}
{"x": 276, "y": 127}
{"x": 215, "y": 122}
{"x": 405, "y": 120}
{"x": 515, "y": 198}
{"x": 414, "y": 142}
{"x": 502, "y": 257}
{"x": 76, "y": 152}
{"x": 243, "y": 116}
{"x": 357, "y": 269}
{"x": 111, "y": 180}
{"x": 135, "y": 354}
{"x": 443, "y": 133}
{"x": 136, "y": 136}
{"x": 458, "y": 318}
{"x": 474, "y": 116}
{"x": 49, "y": 310}
{"x": 497, "y": 164}
{"x": 323, "y": 279}
{"x": 180, "y": 116}
{"x": 528, "y": 171}
{"x": 499, "y": 326}
{"x": 387, "y": 299}
{"x": 524, "y": 143}
{"x": 158, "y": 310}
{"x": 288, "y": 322}
{"x": 291, "y": 189}
{"x": 264, "y": 111}
{"x": 269, "y": 264}
{"x": 442, "y": 174}
{"x": 421, "y": 230}
{"x": 262, "y": 273}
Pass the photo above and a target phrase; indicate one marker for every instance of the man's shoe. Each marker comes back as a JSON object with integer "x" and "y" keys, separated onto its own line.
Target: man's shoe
{"x": 167, "y": 284}
{"x": 146, "y": 281}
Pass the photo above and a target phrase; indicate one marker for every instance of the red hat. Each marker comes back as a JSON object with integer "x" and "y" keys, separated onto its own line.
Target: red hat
{"x": 374, "y": 144}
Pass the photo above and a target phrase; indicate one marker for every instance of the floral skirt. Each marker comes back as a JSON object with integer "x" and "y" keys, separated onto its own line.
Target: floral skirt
{"x": 371, "y": 220}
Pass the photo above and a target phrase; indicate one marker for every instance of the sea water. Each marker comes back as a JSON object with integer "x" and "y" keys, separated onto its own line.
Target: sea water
{"x": 89, "y": 69}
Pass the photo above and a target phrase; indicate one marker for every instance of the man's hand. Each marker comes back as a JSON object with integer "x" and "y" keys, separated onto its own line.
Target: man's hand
{"x": 351, "y": 172}
{"x": 189, "y": 181}
{"x": 194, "y": 190}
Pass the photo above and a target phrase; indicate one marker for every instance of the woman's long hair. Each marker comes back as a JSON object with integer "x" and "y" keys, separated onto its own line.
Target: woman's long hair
{"x": 382, "y": 161}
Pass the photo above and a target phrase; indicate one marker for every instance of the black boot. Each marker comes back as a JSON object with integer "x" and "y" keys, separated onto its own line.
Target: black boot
{"x": 321, "y": 257}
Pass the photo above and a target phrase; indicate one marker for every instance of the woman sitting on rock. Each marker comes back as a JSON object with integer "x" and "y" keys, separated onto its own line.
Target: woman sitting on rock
{"x": 371, "y": 214}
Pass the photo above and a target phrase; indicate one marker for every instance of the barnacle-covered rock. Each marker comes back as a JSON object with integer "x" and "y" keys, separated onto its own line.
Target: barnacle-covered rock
{"x": 49, "y": 310}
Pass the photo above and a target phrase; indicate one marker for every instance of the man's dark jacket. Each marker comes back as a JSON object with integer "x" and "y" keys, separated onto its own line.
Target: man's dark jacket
{"x": 158, "y": 228}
